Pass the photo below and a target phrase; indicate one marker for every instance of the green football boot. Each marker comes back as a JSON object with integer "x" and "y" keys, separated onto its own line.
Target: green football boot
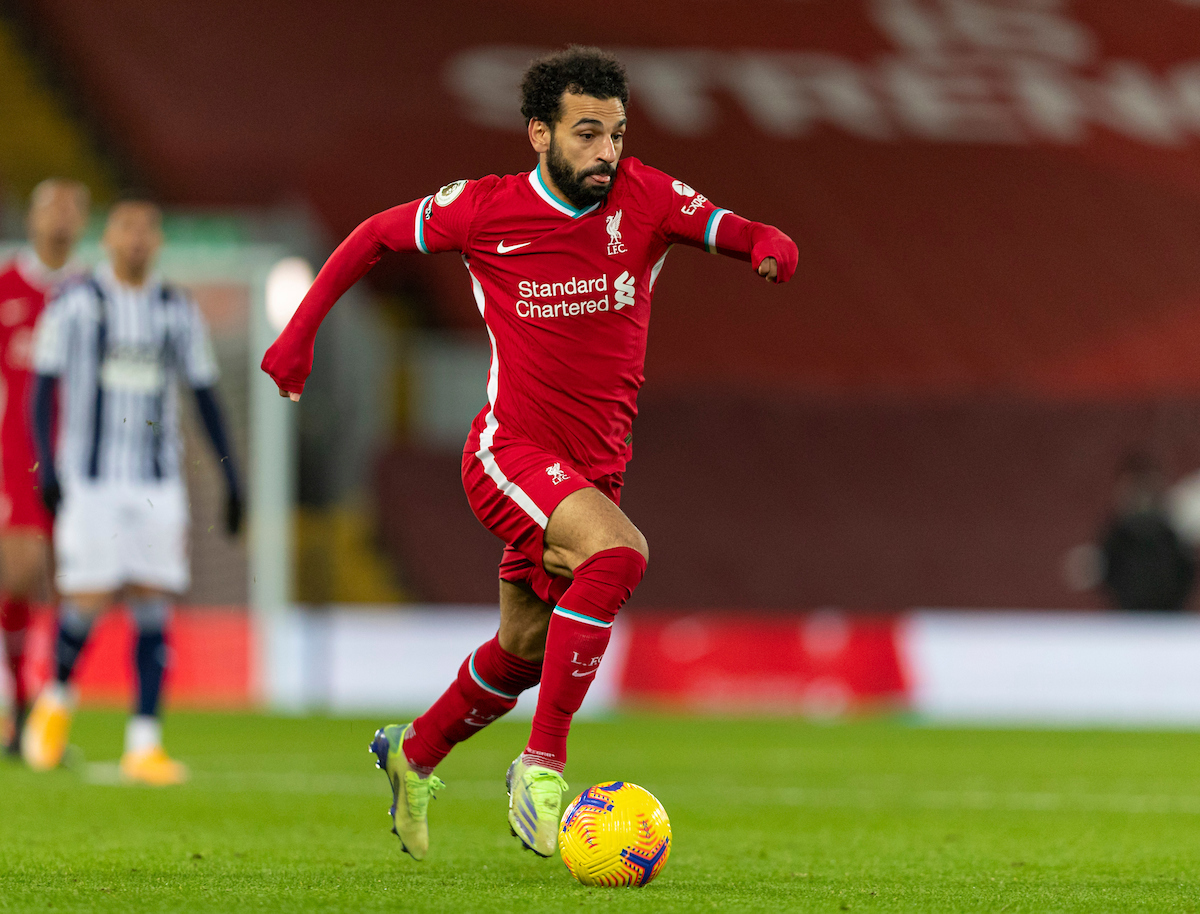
{"x": 535, "y": 805}
{"x": 411, "y": 793}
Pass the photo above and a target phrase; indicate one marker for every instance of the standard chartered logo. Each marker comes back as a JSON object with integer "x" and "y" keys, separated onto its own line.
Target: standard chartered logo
{"x": 546, "y": 300}
{"x": 623, "y": 293}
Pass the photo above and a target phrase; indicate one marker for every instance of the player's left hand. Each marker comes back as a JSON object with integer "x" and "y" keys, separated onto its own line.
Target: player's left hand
{"x": 233, "y": 513}
{"x": 773, "y": 254}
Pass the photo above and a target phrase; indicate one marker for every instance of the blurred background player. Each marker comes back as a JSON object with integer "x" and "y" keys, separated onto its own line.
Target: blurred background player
{"x": 113, "y": 345}
{"x": 1147, "y": 563}
{"x": 58, "y": 211}
{"x": 544, "y": 461}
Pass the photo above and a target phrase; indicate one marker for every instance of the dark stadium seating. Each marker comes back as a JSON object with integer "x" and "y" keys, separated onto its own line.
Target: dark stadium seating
{"x": 943, "y": 267}
{"x": 990, "y": 308}
{"x": 782, "y": 503}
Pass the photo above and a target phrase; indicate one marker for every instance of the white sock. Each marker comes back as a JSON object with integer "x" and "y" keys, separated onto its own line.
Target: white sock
{"x": 60, "y": 693}
{"x": 143, "y": 732}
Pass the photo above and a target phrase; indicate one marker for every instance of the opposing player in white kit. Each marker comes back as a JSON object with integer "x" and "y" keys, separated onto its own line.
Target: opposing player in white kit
{"x": 113, "y": 345}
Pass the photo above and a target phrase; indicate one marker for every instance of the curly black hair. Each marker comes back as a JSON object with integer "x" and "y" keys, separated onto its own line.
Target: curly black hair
{"x": 578, "y": 69}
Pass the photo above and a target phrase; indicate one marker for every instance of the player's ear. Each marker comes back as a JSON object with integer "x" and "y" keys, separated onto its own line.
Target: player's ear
{"x": 539, "y": 135}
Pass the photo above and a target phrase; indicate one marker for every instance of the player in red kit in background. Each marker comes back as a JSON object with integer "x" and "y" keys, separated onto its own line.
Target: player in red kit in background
{"x": 58, "y": 213}
{"x": 562, "y": 262}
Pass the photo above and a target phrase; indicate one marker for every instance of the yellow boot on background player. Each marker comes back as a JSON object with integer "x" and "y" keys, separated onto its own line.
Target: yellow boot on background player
{"x": 45, "y": 737}
{"x": 145, "y": 761}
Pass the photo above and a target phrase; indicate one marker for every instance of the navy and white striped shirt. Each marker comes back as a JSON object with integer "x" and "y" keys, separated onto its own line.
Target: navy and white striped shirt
{"x": 118, "y": 352}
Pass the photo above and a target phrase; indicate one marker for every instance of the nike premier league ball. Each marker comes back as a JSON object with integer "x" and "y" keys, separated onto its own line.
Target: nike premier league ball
{"x": 615, "y": 834}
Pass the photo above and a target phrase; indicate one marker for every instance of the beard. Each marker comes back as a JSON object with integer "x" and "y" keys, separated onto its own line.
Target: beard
{"x": 573, "y": 184}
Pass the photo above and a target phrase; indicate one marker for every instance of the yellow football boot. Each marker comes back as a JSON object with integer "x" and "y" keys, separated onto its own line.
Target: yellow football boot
{"x": 44, "y": 739}
{"x": 154, "y": 767}
{"x": 411, "y": 793}
{"x": 534, "y": 804}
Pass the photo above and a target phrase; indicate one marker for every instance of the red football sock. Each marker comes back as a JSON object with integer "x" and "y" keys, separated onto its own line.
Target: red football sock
{"x": 14, "y": 620}
{"x": 487, "y": 687}
{"x": 579, "y": 632}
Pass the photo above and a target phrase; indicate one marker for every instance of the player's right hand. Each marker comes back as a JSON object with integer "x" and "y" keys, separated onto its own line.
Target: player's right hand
{"x": 287, "y": 365}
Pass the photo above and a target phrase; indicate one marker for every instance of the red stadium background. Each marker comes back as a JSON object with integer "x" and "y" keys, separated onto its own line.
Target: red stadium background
{"x": 998, "y": 210}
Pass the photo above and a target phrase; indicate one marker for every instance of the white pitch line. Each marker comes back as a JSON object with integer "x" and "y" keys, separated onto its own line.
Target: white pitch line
{"x": 106, "y": 773}
{"x": 263, "y": 781}
{"x": 1023, "y": 801}
{"x": 372, "y": 784}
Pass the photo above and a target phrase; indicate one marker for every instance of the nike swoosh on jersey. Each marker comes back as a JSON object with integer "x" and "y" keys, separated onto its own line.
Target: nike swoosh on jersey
{"x": 502, "y": 248}
{"x": 582, "y": 673}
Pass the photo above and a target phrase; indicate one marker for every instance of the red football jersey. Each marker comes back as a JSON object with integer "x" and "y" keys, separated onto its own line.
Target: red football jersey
{"x": 25, "y": 285}
{"x": 565, "y": 294}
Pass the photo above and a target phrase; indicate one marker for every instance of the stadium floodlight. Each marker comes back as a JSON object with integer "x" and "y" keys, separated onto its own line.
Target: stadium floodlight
{"x": 287, "y": 284}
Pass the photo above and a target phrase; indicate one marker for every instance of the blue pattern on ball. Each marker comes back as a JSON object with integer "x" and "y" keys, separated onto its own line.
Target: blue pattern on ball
{"x": 587, "y": 800}
{"x": 646, "y": 864}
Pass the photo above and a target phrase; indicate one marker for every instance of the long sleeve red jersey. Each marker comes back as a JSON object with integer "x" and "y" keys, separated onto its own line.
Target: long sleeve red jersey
{"x": 565, "y": 294}
{"x": 25, "y": 286}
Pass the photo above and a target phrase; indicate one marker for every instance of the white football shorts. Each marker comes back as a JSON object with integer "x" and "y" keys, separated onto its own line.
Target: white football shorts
{"x": 109, "y": 534}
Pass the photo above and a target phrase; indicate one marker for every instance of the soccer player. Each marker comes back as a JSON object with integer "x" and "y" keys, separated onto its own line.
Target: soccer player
{"x": 562, "y": 261}
{"x": 58, "y": 211}
{"x": 113, "y": 345}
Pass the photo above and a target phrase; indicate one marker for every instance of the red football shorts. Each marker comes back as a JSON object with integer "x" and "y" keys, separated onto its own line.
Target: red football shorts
{"x": 21, "y": 508}
{"x": 513, "y": 489}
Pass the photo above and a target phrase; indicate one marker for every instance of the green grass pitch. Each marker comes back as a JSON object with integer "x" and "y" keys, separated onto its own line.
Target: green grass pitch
{"x": 768, "y": 815}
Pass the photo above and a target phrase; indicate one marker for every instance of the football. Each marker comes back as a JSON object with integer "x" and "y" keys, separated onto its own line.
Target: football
{"x": 615, "y": 833}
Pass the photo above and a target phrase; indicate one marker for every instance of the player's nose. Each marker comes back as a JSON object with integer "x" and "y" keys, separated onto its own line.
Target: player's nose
{"x": 609, "y": 151}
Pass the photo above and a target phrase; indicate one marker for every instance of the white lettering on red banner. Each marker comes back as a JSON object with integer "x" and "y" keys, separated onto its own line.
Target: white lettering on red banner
{"x": 1013, "y": 72}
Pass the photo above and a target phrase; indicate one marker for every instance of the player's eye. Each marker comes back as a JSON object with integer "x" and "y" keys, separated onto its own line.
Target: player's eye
{"x": 586, "y": 136}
